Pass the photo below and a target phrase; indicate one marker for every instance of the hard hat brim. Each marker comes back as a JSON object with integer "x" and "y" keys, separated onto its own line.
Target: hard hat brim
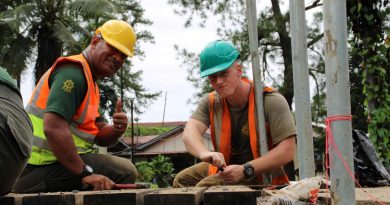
{"x": 218, "y": 68}
{"x": 118, "y": 46}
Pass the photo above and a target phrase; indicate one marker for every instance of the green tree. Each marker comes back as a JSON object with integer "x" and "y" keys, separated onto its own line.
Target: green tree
{"x": 273, "y": 38}
{"x": 369, "y": 23}
{"x": 19, "y": 44}
{"x": 145, "y": 171}
{"x": 369, "y": 56}
{"x": 127, "y": 84}
{"x": 45, "y": 23}
{"x": 46, "y": 30}
{"x": 159, "y": 170}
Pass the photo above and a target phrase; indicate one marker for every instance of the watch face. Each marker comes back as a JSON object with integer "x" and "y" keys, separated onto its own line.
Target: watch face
{"x": 88, "y": 168}
{"x": 87, "y": 171}
{"x": 249, "y": 171}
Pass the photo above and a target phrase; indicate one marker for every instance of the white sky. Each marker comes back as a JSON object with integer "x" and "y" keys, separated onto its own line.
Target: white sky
{"x": 161, "y": 70}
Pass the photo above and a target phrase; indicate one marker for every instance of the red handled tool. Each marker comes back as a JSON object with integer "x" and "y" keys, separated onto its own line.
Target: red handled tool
{"x": 131, "y": 186}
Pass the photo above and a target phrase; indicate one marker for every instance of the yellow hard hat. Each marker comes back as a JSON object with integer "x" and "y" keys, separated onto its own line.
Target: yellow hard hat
{"x": 118, "y": 34}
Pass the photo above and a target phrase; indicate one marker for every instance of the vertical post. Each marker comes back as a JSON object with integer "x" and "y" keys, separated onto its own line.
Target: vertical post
{"x": 165, "y": 103}
{"x": 132, "y": 128}
{"x": 338, "y": 98}
{"x": 138, "y": 130}
{"x": 121, "y": 84}
{"x": 301, "y": 89}
{"x": 251, "y": 15}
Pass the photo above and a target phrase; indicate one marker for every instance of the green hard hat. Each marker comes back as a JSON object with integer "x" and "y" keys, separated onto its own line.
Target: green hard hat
{"x": 217, "y": 56}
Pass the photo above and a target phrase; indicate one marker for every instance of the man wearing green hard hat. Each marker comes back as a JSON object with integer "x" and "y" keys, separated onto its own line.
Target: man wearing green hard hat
{"x": 229, "y": 112}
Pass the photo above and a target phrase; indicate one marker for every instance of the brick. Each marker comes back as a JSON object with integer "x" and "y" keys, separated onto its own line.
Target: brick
{"x": 60, "y": 198}
{"x": 7, "y": 200}
{"x": 364, "y": 196}
{"x": 179, "y": 196}
{"x": 230, "y": 195}
{"x": 117, "y": 197}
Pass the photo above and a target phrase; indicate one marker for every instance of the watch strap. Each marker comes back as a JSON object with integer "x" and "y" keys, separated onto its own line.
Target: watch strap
{"x": 249, "y": 171}
{"x": 87, "y": 171}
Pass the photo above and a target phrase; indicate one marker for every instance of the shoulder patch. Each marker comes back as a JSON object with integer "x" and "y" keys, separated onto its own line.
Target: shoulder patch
{"x": 68, "y": 86}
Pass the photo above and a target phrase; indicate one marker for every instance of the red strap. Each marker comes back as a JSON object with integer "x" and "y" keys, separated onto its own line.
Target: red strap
{"x": 330, "y": 142}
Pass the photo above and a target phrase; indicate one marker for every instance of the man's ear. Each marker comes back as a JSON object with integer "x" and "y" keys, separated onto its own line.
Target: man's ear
{"x": 239, "y": 68}
{"x": 94, "y": 41}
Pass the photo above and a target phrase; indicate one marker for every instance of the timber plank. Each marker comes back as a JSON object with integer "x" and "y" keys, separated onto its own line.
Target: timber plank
{"x": 113, "y": 197}
{"x": 7, "y": 200}
{"x": 61, "y": 198}
{"x": 175, "y": 196}
{"x": 230, "y": 195}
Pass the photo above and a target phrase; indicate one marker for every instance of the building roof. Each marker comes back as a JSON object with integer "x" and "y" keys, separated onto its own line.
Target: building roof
{"x": 168, "y": 143}
{"x": 168, "y": 124}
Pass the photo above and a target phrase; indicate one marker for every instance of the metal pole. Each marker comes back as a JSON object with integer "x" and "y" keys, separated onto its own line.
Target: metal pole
{"x": 121, "y": 79}
{"x": 301, "y": 89}
{"x": 132, "y": 129}
{"x": 338, "y": 99}
{"x": 254, "y": 52}
{"x": 165, "y": 103}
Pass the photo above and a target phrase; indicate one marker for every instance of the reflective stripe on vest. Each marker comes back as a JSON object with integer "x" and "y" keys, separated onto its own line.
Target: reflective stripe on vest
{"x": 220, "y": 127}
{"x": 82, "y": 126}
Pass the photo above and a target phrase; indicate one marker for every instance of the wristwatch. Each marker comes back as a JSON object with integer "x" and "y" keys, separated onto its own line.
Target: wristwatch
{"x": 249, "y": 171}
{"x": 87, "y": 171}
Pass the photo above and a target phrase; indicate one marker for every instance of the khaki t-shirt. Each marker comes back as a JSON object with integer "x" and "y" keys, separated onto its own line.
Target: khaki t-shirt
{"x": 277, "y": 114}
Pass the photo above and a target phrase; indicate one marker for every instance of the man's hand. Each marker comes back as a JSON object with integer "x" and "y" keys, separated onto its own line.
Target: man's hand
{"x": 99, "y": 182}
{"x": 119, "y": 118}
{"x": 109, "y": 134}
{"x": 232, "y": 174}
{"x": 215, "y": 158}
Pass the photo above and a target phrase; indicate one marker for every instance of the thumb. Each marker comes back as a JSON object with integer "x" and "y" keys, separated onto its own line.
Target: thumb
{"x": 118, "y": 106}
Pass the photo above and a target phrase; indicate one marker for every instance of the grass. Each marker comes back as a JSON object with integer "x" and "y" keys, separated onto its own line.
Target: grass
{"x": 148, "y": 130}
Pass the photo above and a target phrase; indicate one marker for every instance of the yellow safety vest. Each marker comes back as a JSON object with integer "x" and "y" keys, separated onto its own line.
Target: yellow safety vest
{"x": 82, "y": 127}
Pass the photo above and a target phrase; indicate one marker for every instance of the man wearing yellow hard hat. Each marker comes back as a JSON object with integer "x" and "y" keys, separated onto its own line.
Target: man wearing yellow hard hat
{"x": 64, "y": 111}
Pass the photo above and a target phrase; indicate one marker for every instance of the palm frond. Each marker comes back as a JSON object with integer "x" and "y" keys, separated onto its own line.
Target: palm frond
{"x": 92, "y": 8}
{"x": 63, "y": 34}
{"x": 18, "y": 16}
{"x": 15, "y": 55}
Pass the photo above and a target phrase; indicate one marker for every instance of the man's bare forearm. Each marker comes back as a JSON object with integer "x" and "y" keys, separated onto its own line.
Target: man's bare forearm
{"x": 192, "y": 137}
{"x": 108, "y": 135}
{"x": 280, "y": 155}
{"x": 60, "y": 140}
{"x": 193, "y": 140}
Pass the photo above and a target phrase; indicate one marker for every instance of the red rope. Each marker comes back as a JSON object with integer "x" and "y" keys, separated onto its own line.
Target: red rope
{"x": 330, "y": 142}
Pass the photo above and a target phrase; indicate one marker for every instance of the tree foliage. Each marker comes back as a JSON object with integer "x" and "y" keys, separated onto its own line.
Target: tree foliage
{"x": 273, "y": 38}
{"x": 369, "y": 22}
{"x": 369, "y": 56}
{"x": 159, "y": 171}
{"x": 45, "y": 30}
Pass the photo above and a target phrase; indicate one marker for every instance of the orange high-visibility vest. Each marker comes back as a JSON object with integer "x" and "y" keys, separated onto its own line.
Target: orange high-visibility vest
{"x": 220, "y": 127}
{"x": 82, "y": 127}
